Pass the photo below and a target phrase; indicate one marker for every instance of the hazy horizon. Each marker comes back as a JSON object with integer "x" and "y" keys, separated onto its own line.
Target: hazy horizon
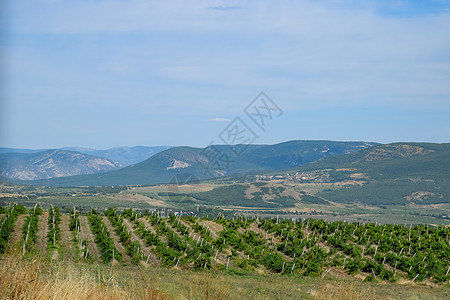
{"x": 203, "y": 146}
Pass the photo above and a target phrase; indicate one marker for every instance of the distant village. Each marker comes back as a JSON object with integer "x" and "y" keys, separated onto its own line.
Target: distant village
{"x": 316, "y": 176}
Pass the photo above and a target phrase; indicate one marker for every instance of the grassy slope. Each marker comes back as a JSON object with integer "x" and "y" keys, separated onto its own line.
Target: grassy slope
{"x": 28, "y": 279}
{"x": 393, "y": 177}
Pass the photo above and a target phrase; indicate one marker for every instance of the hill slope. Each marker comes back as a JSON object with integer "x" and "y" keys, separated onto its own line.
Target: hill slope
{"x": 52, "y": 163}
{"x": 388, "y": 174}
{"x": 180, "y": 163}
{"x": 124, "y": 155}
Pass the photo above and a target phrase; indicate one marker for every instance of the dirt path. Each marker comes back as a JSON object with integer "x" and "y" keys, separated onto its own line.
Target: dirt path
{"x": 16, "y": 235}
{"x": 214, "y": 227}
{"x": 67, "y": 244}
{"x": 153, "y": 260}
{"x": 41, "y": 241}
{"x": 117, "y": 244}
{"x": 265, "y": 234}
{"x": 87, "y": 235}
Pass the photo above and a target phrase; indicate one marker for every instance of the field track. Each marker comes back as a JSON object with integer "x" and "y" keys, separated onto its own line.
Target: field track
{"x": 41, "y": 242}
{"x": 89, "y": 237}
{"x": 68, "y": 246}
{"x": 16, "y": 235}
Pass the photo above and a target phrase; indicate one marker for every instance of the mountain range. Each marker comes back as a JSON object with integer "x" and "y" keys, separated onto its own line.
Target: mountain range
{"x": 124, "y": 155}
{"x": 52, "y": 163}
{"x": 215, "y": 161}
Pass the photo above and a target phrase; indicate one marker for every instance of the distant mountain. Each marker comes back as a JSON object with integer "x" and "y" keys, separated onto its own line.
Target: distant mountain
{"x": 19, "y": 150}
{"x": 180, "y": 163}
{"x": 388, "y": 174}
{"x": 52, "y": 163}
{"x": 124, "y": 155}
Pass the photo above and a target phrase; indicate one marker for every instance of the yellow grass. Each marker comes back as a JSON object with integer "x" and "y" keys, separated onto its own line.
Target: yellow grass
{"x": 343, "y": 291}
{"x": 24, "y": 278}
{"x": 32, "y": 279}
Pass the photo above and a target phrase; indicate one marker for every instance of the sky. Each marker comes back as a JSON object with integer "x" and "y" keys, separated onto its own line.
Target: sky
{"x": 107, "y": 73}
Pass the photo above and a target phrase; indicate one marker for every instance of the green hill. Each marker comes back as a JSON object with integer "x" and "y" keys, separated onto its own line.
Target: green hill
{"x": 387, "y": 174}
{"x": 179, "y": 164}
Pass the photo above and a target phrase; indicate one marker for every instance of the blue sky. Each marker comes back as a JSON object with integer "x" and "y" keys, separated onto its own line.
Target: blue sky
{"x": 110, "y": 73}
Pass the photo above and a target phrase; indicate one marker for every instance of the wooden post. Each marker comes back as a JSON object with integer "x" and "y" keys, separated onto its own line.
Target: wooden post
{"x": 325, "y": 273}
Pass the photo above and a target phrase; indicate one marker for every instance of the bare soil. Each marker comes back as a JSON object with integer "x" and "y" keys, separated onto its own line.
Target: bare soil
{"x": 86, "y": 234}
{"x": 66, "y": 239}
{"x": 41, "y": 241}
{"x": 16, "y": 235}
{"x": 214, "y": 227}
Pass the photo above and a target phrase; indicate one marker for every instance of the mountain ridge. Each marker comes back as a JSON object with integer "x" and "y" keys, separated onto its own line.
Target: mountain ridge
{"x": 387, "y": 174}
{"x": 123, "y": 154}
{"x": 52, "y": 163}
{"x": 215, "y": 161}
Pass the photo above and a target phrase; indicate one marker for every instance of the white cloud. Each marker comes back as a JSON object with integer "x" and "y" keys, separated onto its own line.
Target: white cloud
{"x": 219, "y": 120}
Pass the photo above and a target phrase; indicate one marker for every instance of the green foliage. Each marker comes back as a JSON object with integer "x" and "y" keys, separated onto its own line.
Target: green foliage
{"x": 53, "y": 235}
{"x": 370, "y": 278}
{"x": 133, "y": 250}
{"x": 392, "y": 171}
{"x": 312, "y": 199}
{"x": 308, "y": 247}
{"x": 30, "y": 229}
{"x": 235, "y": 194}
{"x": 7, "y": 225}
{"x": 104, "y": 242}
{"x": 120, "y": 228}
{"x": 273, "y": 261}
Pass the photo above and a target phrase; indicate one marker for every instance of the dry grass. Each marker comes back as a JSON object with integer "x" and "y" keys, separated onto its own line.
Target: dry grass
{"x": 343, "y": 291}
{"x": 39, "y": 279}
{"x": 32, "y": 279}
{"x": 206, "y": 286}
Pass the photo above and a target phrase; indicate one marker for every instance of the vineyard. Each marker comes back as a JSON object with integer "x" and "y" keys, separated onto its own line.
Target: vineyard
{"x": 190, "y": 257}
{"x": 307, "y": 248}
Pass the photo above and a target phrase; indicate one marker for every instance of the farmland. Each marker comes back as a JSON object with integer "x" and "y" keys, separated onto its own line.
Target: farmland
{"x": 305, "y": 258}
